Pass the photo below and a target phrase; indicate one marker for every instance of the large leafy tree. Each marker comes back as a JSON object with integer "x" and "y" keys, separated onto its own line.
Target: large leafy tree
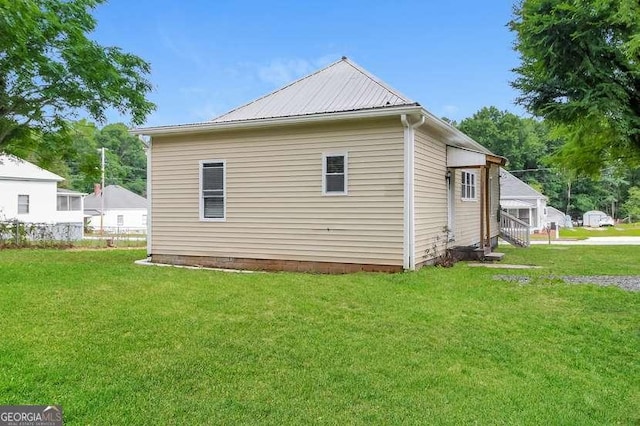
{"x": 632, "y": 206}
{"x": 580, "y": 70}
{"x": 50, "y": 69}
{"x": 523, "y": 141}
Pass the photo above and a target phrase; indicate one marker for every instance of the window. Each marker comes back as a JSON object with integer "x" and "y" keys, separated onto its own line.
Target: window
{"x": 120, "y": 220}
{"x": 212, "y": 185}
{"x": 334, "y": 174}
{"x": 468, "y": 186}
{"x": 144, "y": 220}
{"x": 68, "y": 203}
{"x": 23, "y": 204}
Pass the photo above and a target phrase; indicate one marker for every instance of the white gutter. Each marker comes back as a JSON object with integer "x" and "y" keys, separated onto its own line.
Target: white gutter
{"x": 268, "y": 122}
{"x": 409, "y": 241}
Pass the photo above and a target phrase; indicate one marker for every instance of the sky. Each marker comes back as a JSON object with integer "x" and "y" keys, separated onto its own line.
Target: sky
{"x": 208, "y": 57}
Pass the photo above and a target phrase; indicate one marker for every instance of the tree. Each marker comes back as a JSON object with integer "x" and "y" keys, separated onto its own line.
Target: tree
{"x": 126, "y": 163}
{"x": 523, "y": 141}
{"x": 632, "y": 206}
{"x": 580, "y": 70}
{"x": 50, "y": 70}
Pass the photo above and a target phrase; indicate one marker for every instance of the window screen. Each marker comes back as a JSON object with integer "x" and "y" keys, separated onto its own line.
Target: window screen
{"x": 213, "y": 190}
{"x": 335, "y": 174}
{"x": 23, "y": 204}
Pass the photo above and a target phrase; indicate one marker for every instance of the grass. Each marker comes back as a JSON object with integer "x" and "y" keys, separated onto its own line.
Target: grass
{"x": 117, "y": 343}
{"x": 621, "y": 230}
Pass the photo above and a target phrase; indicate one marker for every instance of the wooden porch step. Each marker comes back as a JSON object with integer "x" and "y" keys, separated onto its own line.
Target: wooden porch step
{"x": 493, "y": 257}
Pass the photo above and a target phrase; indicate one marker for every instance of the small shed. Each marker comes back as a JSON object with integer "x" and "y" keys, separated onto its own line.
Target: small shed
{"x": 592, "y": 218}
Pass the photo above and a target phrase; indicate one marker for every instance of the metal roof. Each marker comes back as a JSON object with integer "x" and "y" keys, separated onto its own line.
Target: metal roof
{"x": 341, "y": 86}
{"x": 12, "y": 167}
{"x": 65, "y": 191}
{"x": 553, "y": 212}
{"x": 340, "y": 90}
{"x": 115, "y": 197}
{"x": 516, "y": 204}
{"x": 512, "y": 187}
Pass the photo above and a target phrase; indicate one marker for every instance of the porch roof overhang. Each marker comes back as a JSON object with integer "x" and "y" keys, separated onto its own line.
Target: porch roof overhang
{"x": 464, "y": 158}
{"x": 516, "y": 204}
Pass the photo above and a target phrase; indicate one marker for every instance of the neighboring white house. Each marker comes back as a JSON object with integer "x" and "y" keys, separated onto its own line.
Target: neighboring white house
{"x": 124, "y": 211}
{"x": 30, "y": 194}
{"x": 559, "y": 218}
{"x": 522, "y": 201}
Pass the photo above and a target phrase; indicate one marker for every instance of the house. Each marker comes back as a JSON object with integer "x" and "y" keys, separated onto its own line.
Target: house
{"x": 522, "y": 201}
{"x": 30, "y": 194}
{"x": 559, "y": 218}
{"x": 124, "y": 211}
{"x": 335, "y": 172}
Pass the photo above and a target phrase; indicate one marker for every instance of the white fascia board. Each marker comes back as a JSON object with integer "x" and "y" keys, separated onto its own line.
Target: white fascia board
{"x": 523, "y": 197}
{"x": 268, "y": 122}
{"x": 28, "y": 179}
{"x": 457, "y": 157}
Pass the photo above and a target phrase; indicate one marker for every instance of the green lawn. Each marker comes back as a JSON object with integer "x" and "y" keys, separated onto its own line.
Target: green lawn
{"x": 116, "y": 343}
{"x": 621, "y": 230}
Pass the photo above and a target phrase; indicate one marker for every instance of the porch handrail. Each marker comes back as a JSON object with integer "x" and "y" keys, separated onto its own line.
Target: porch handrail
{"x": 514, "y": 230}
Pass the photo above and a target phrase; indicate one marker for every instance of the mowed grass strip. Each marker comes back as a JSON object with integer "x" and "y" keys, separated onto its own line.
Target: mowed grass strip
{"x": 620, "y": 230}
{"x": 118, "y": 343}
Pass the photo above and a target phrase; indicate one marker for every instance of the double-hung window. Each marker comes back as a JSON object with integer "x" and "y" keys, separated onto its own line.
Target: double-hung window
{"x": 212, "y": 190}
{"x": 68, "y": 203}
{"x": 23, "y": 204}
{"x": 334, "y": 174}
{"x": 468, "y": 187}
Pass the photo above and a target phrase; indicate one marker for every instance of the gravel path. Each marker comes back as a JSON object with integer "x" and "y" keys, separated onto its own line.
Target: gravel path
{"x": 625, "y": 282}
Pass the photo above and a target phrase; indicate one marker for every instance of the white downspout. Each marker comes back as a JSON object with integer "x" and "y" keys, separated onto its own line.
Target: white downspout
{"x": 147, "y": 148}
{"x": 409, "y": 241}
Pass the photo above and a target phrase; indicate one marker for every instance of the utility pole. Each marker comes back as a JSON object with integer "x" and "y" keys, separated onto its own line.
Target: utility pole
{"x": 102, "y": 193}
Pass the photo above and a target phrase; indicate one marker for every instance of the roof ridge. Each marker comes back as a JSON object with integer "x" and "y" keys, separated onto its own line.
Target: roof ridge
{"x": 280, "y": 89}
{"x": 377, "y": 80}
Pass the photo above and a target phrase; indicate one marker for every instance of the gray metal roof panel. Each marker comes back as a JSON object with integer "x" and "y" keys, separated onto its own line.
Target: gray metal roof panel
{"x": 341, "y": 86}
{"x": 511, "y": 186}
{"x": 115, "y": 197}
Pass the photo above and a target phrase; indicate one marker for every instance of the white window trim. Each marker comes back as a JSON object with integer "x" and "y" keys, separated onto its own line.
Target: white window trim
{"x": 28, "y": 204}
{"x": 69, "y": 197}
{"x": 475, "y": 185}
{"x": 224, "y": 192}
{"x": 344, "y": 154}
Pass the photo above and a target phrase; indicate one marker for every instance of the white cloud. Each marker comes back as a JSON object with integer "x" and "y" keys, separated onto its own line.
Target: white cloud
{"x": 282, "y": 71}
{"x": 450, "y": 109}
{"x": 205, "y": 112}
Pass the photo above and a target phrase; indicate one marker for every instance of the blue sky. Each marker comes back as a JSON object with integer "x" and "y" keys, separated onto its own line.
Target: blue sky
{"x": 208, "y": 57}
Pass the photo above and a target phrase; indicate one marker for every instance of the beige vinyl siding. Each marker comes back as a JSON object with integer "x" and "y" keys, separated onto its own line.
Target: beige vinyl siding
{"x": 274, "y": 203}
{"x": 430, "y": 195}
{"x": 467, "y": 212}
